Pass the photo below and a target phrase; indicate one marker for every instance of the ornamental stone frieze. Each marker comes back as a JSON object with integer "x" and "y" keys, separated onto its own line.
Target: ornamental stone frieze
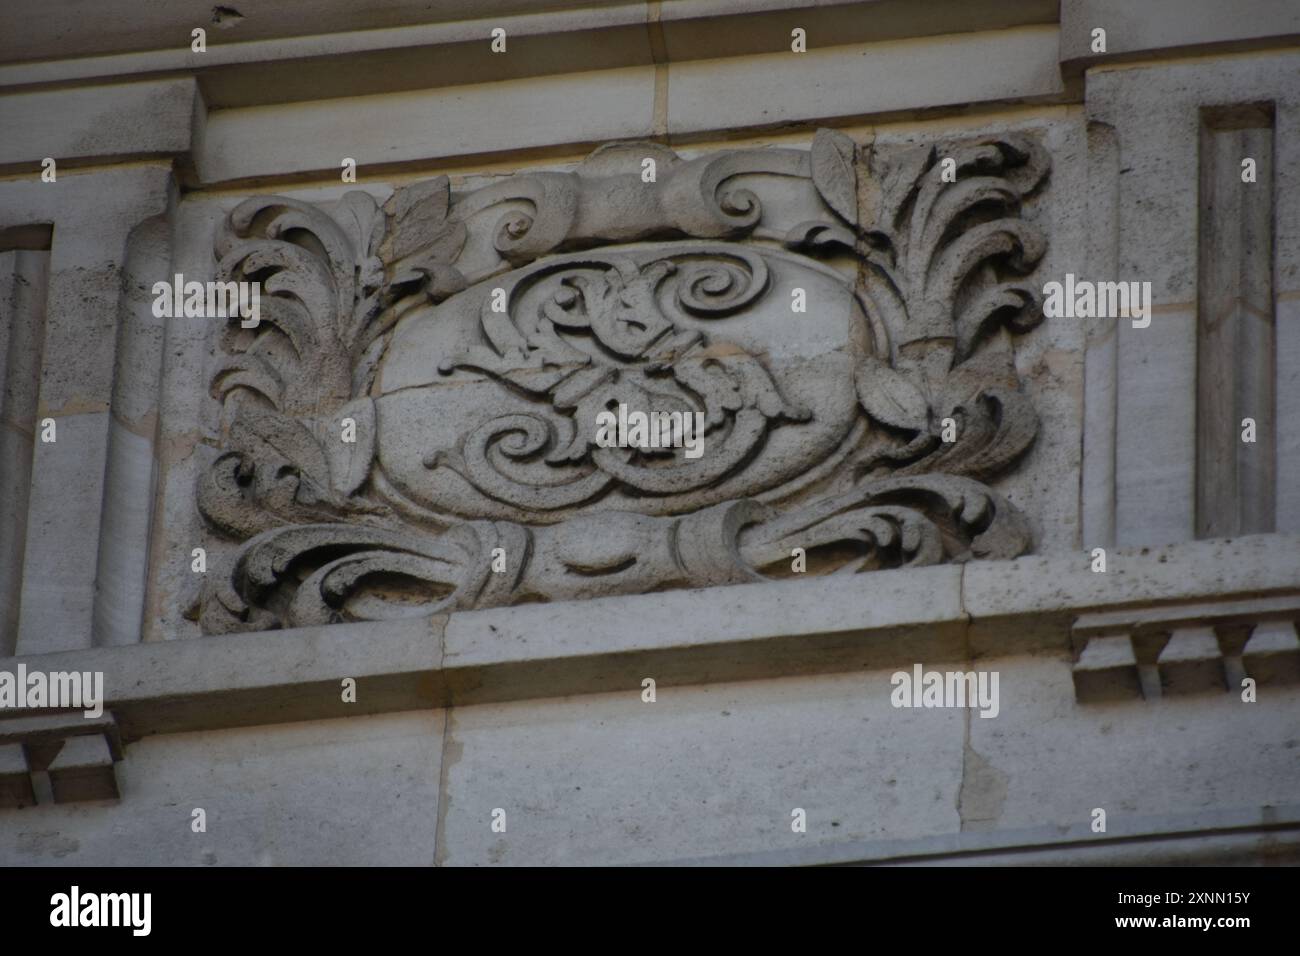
{"x": 844, "y": 318}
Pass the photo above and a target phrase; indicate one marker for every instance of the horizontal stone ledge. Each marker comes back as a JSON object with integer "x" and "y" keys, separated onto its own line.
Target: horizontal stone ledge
{"x": 91, "y": 125}
{"x": 876, "y": 82}
{"x": 1159, "y": 28}
{"x": 574, "y": 110}
{"x": 1015, "y": 605}
{"x": 51, "y": 727}
{"x": 743, "y": 632}
{"x": 352, "y": 58}
{"x": 238, "y": 680}
{"x": 275, "y": 56}
{"x": 1218, "y": 836}
{"x": 1146, "y": 620}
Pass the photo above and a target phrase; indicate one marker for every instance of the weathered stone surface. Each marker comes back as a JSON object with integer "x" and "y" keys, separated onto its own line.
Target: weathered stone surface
{"x": 15, "y": 777}
{"x": 362, "y": 790}
{"x": 94, "y": 216}
{"x": 759, "y": 630}
{"x": 181, "y": 685}
{"x": 476, "y": 475}
{"x": 1272, "y": 655}
{"x": 713, "y": 768}
{"x": 1165, "y": 25}
{"x": 130, "y": 119}
{"x": 764, "y": 91}
{"x": 476, "y": 550}
{"x": 1058, "y": 759}
{"x": 1191, "y": 661}
{"x": 1154, "y": 112}
{"x": 752, "y": 631}
{"x": 1107, "y": 670}
{"x": 1219, "y": 837}
{"x": 83, "y": 770}
{"x": 241, "y": 144}
{"x": 1256, "y": 563}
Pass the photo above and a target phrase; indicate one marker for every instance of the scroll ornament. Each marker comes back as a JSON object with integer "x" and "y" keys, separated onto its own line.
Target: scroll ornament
{"x": 470, "y": 341}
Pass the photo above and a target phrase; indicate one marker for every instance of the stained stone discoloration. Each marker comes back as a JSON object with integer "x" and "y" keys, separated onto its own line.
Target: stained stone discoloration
{"x": 983, "y": 792}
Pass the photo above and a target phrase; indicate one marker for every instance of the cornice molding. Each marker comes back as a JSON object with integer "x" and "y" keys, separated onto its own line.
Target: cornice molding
{"x": 744, "y": 632}
{"x": 345, "y": 49}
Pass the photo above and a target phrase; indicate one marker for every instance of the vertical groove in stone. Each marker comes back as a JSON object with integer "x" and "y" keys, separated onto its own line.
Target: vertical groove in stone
{"x": 1101, "y": 364}
{"x": 1257, "y": 342}
{"x": 131, "y": 476}
{"x": 24, "y": 273}
{"x": 65, "y": 514}
{"x": 1235, "y": 480}
{"x": 659, "y": 54}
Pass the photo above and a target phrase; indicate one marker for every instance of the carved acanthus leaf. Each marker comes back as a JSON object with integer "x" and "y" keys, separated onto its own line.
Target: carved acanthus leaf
{"x": 317, "y": 574}
{"x": 487, "y": 330}
{"x": 321, "y": 287}
{"x": 835, "y": 174}
{"x": 945, "y": 262}
{"x": 892, "y": 522}
{"x": 277, "y": 469}
{"x": 311, "y": 574}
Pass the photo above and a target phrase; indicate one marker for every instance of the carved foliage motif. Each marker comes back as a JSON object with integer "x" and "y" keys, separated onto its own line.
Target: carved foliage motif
{"x": 471, "y": 340}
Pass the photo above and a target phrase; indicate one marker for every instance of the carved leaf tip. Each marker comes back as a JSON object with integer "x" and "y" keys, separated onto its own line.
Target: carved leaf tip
{"x": 835, "y": 174}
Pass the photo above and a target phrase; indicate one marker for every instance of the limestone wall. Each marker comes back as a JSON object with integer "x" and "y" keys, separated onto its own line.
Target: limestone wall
{"x": 364, "y": 585}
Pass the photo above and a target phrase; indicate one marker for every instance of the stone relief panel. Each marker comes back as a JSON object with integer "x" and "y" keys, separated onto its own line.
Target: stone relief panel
{"x": 469, "y": 341}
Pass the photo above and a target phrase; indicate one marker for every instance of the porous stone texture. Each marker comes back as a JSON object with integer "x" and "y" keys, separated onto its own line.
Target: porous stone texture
{"x": 841, "y": 317}
{"x": 836, "y": 257}
{"x": 1050, "y": 362}
{"x": 360, "y": 791}
{"x": 1180, "y": 754}
{"x": 1155, "y": 113}
{"x": 702, "y": 771}
{"x": 95, "y": 215}
{"x": 713, "y": 770}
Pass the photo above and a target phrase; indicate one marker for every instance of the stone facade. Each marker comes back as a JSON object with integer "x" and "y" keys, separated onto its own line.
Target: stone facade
{"x": 364, "y": 582}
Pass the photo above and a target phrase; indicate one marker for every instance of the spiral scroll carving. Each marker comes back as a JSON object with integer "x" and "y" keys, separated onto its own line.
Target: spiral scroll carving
{"x": 473, "y": 341}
